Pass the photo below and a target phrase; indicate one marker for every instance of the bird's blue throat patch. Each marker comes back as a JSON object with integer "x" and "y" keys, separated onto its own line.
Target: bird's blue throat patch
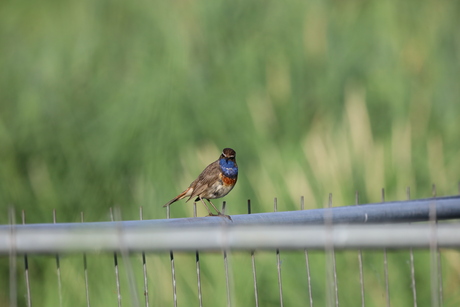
{"x": 229, "y": 168}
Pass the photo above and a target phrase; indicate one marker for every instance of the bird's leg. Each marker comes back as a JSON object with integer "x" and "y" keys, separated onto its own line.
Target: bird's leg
{"x": 206, "y": 206}
{"x": 218, "y": 212}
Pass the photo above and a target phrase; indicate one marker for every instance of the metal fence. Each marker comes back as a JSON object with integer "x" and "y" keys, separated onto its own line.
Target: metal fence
{"x": 424, "y": 226}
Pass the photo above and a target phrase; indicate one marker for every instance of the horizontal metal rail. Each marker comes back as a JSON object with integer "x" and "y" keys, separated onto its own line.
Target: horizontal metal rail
{"x": 284, "y": 230}
{"x": 234, "y": 238}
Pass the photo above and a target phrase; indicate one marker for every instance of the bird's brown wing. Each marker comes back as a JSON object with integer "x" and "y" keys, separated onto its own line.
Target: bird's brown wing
{"x": 207, "y": 177}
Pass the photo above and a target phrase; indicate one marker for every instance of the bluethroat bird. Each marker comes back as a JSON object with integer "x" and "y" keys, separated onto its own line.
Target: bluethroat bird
{"x": 216, "y": 181}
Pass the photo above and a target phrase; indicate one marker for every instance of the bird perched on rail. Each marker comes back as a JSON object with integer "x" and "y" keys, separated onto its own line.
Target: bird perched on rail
{"x": 216, "y": 181}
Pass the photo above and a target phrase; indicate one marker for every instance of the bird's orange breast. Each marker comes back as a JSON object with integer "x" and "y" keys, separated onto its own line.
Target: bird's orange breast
{"x": 227, "y": 181}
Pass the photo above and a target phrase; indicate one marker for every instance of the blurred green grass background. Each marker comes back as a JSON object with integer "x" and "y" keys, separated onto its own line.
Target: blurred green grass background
{"x": 115, "y": 103}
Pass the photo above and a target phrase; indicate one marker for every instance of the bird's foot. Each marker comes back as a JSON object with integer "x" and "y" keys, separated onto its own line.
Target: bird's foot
{"x": 222, "y": 215}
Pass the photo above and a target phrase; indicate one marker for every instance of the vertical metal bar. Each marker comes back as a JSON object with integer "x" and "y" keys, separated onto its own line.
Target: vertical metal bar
{"x": 13, "y": 277}
{"x": 436, "y": 268}
{"x": 58, "y": 267}
{"x": 125, "y": 256}
{"x": 144, "y": 266}
{"x": 360, "y": 260}
{"x": 173, "y": 268}
{"x": 412, "y": 267}
{"x": 227, "y": 279}
{"x": 85, "y": 268}
{"x": 198, "y": 266}
{"x": 278, "y": 260}
{"x": 441, "y": 292}
{"x": 440, "y": 281}
{"x": 307, "y": 262}
{"x": 117, "y": 273}
{"x": 253, "y": 262}
{"x": 26, "y": 268}
{"x": 433, "y": 255}
{"x": 385, "y": 265}
{"x": 227, "y": 282}
{"x": 330, "y": 297}
{"x": 332, "y": 258}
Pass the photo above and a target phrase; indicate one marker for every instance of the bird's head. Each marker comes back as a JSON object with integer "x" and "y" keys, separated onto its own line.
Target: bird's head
{"x": 228, "y": 154}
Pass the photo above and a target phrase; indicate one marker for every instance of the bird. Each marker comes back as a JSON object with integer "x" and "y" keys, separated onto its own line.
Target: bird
{"x": 215, "y": 181}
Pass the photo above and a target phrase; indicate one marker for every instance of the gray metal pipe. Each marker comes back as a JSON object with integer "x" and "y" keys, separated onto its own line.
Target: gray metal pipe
{"x": 388, "y": 212}
{"x": 215, "y": 238}
{"x": 219, "y": 232}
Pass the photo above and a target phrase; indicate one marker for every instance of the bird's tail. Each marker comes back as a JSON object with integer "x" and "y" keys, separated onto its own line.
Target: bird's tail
{"x": 178, "y": 197}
